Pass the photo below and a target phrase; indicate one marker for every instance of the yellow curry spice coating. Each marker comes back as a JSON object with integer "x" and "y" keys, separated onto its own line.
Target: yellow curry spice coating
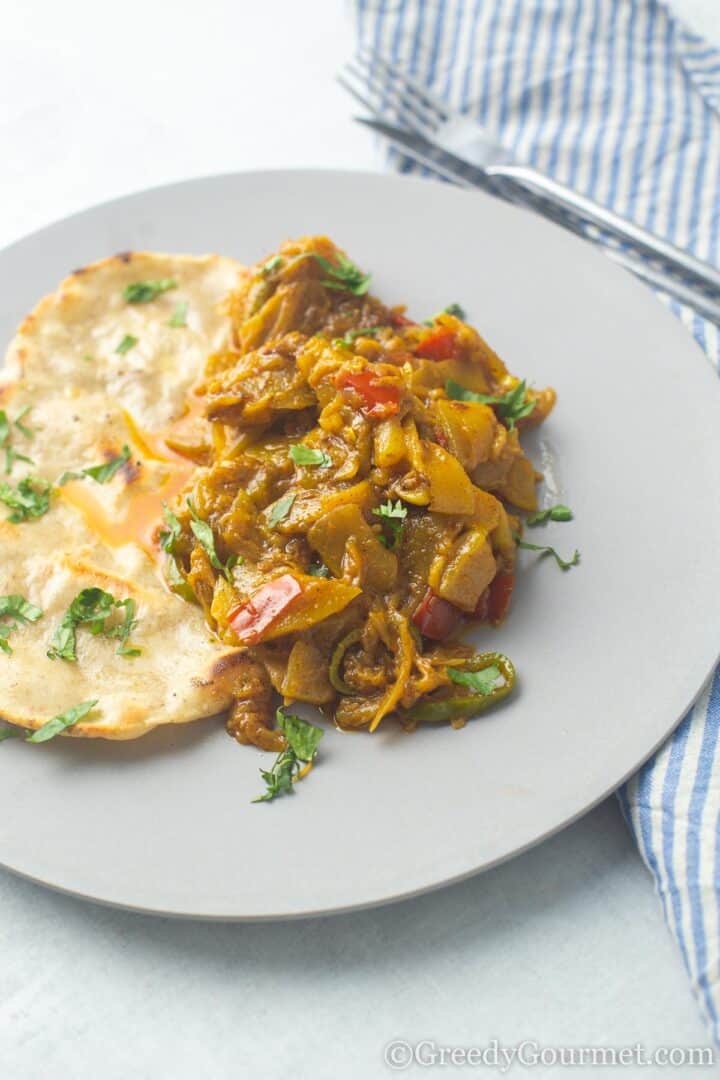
{"x": 364, "y": 511}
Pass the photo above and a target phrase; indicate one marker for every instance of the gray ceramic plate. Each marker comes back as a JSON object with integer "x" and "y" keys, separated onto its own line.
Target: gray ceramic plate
{"x": 609, "y": 654}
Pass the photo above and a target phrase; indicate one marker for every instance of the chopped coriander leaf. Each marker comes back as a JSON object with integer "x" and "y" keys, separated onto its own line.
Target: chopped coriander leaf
{"x": 393, "y": 516}
{"x": 176, "y": 580}
{"x": 18, "y": 422}
{"x": 481, "y": 682}
{"x": 11, "y": 456}
{"x": 10, "y": 733}
{"x": 271, "y": 265}
{"x": 457, "y": 392}
{"x": 30, "y": 499}
{"x": 553, "y": 513}
{"x": 88, "y": 358}
{"x": 391, "y": 510}
{"x": 63, "y": 643}
{"x": 451, "y": 309}
{"x": 352, "y": 335}
{"x": 343, "y": 275}
{"x": 128, "y": 342}
{"x": 19, "y": 608}
{"x": 280, "y": 510}
{"x": 204, "y": 535}
{"x": 392, "y": 542}
{"x": 178, "y": 319}
{"x": 92, "y": 607}
{"x": 318, "y": 570}
{"x": 302, "y": 736}
{"x": 305, "y": 455}
{"x": 141, "y": 292}
{"x": 170, "y": 536}
{"x": 15, "y": 607}
{"x": 123, "y": 631}
{"x": 564, "y": 564}
{"x": 279, "y": 779}
{"x": 101, "y": 474}
{"x": 302, "y": 745}
{"x": 62, "y": 721}
{"x": 511, "y": 407}
{"x": 67, "y": 476}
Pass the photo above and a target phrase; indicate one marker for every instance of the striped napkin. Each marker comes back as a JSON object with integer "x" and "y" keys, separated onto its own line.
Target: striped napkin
{"x": 619, "y": 100}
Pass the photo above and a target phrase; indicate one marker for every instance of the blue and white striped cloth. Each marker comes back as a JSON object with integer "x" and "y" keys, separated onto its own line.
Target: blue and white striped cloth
{"x": 619, "y": 100}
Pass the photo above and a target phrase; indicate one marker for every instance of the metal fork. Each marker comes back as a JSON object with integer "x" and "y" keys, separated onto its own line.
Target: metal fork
{"x": 383, "y": 88}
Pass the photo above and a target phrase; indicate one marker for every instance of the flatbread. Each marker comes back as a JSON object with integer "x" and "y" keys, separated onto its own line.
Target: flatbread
{"x": 87, "y": 401}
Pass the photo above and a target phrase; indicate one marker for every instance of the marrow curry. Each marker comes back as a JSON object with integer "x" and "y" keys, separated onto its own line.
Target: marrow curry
{"x": 354, "y": 505}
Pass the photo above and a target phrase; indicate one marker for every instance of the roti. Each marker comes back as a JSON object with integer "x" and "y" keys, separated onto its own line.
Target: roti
{"x": 99, "y": 375}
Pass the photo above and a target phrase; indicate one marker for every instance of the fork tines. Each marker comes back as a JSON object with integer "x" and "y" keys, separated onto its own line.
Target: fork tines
{"x": 383, "y": 88}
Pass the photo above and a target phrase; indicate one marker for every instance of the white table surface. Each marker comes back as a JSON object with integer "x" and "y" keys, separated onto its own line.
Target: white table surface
{"x": 565, "y": 945}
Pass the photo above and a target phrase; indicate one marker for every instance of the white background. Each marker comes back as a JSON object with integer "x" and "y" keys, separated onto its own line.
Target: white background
{"x": 565, "y": 945}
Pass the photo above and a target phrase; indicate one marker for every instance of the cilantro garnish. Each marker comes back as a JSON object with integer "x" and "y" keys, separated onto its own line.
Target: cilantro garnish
{"x": 305, "y": 455}
{"x": 204, "y": 535}
{"x": 11, "y": 454}
{"x": 141, "y": 292}
{"x": 170, "y": 536}
{"x": 564, "y": 564}
{"x": 280, "y": 509}
{"x": 271, "y": 265}
{"x": 30, "y": 499}
{"x": 128, "y": 342}
{"x": 451, "y": 309}
{"x": 343, "y": 275}
{"x": 511, "y": 407}
{"x": 393, "y": 516}
{"x": 302, "y": 744}
{"x": 365, "y": 331}
{"x": 101, "y": 474}
{"x": 318, "y": 570}
{"x": 123, "y": 630}
{"x": 553, "y": 513}
{"x": 18, "y": 422}
{"x": 178, "y": 319}
{"x": 15, "y": 607}
{"x": 92, "y": 608}
{"x": 168, "y": 542}
{"x": 176, "y": 580}
{"x": 61, "y": 722}
{"x": 481, "y": 682}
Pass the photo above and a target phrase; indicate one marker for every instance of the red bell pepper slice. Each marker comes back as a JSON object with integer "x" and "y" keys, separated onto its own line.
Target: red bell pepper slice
{"x": 254, "y": 616}
{"x": 379, "y": 399}
{"x": 493, "y": 605}
{"x": 439, "y": 344}
{"x": 436, "y": 618}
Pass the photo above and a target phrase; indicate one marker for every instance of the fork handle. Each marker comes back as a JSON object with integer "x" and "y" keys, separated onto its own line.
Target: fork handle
{"x": 670, "y": 285}
{"x": 564, "y": 197}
